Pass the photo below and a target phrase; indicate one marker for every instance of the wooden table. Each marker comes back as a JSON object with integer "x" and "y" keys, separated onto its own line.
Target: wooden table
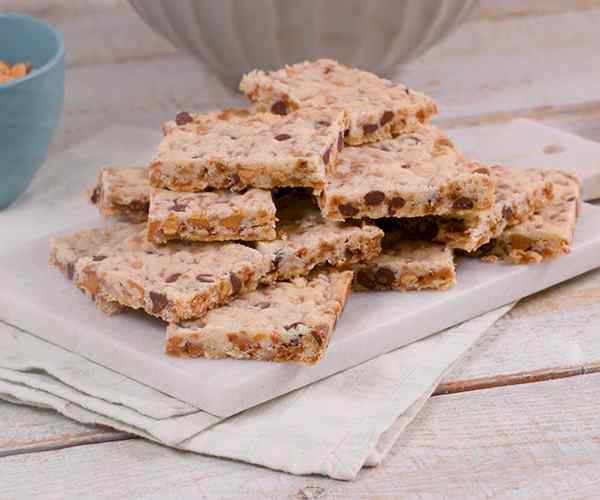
{"x": 517, "y": 419}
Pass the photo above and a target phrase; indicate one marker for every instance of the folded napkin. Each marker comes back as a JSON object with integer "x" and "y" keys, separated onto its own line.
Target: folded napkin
{"x": 332, "y": 427}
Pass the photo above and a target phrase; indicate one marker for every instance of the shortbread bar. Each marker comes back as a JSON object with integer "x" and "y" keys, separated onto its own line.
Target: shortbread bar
{"x": 407, "y": 265}
{"x": 306, "y": 240}
{"x": 65, "y": 251}
{"x": 211, "y": 216}
{"x": 122, "y": 192}
{"x": 518, "y": 193}
{"x": 378, "y": 109}
{"x": 288, "y": 321}
{"x": 174, "y": 281}
{"x": 235, "y": 149}
{"x": 549, "y": 232}
{"x": 415, "y": 174}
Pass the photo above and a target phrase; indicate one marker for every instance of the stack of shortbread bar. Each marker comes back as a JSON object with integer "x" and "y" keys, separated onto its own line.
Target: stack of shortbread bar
{"x": 250, "y": 226}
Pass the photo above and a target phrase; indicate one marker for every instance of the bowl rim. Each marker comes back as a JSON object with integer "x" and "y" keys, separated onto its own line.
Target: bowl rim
{"x": 56, "y": 58}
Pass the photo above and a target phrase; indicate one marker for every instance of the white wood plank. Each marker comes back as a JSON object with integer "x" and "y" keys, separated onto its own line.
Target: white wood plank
{"x": 531, "y": 441}
{"x": 582, "y": 119}
{"x": 493, "y": 10}
{"x": 522, "y": 63}
{"x": 550, "y": 331}
{"x": 33, "y": 429}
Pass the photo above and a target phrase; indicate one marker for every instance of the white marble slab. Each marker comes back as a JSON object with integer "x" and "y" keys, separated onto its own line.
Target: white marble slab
{"x": 526, "y": 143}
{"x": 37, "y": 298}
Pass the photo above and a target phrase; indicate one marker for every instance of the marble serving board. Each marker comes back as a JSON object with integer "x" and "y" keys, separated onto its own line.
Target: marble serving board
{"x": 37, "y": 298}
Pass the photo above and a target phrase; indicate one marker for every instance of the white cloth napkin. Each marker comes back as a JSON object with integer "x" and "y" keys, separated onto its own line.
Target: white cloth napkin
{"x": 332, "y": 427}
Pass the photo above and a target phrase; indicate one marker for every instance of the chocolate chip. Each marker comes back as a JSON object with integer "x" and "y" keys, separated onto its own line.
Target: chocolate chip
{"x": 406, "y": 165}
{"x": 348, "y": 253}
{"x": 397, "y": 202}
{"x": 178, "y": 207}
{"x": 70, "y": 270}
{"x": 283, "y": 137}
{"x": 292, "y": 325}
{"x": 374, "y": 198}
{"x": 482, "y": 170}
{"x": 205, "y": 278}
{"x": 236, "y": 284}
{"x": 365, "y": 279}
{"x": 279, "y": 108}
{"x": 484, "y": 249}
{"x": 98, "y": 258}
{"x": 235, "y": 179}
{"x": 159, "y": 301}
{"x": 326, "y": 155}
{"x": 507, "y": 213}
{"x": 369, "y": 128}
{"x": 183, "y": 118}
{"x": 340, "y": 142}
{"x": 347, "y": 210}
{"x": 323, "y": 123}
{"x": 263, "y": 305}
{"x": 463, "y": 203}
{"x": 95, "y": 195}
{"x": 384, "y": 276}
{"x": 346, "y": 132}
{"x": 407, "y": 91}
{"x": 277, "y": 259}
{"x": 173, "y": 278}
{"x": 294, "y": 342}
{"x": 386, "y": 117}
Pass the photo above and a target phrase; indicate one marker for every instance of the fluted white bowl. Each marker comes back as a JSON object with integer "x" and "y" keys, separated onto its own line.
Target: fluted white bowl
{"x": 235, "y": 36}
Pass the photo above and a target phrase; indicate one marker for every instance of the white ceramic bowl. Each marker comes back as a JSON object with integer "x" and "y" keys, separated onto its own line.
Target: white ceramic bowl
{"x": 235, "y": 36}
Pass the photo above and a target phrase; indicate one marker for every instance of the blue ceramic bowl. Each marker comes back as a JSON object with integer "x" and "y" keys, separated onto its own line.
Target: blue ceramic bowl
{"x": 30, "y": 106}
